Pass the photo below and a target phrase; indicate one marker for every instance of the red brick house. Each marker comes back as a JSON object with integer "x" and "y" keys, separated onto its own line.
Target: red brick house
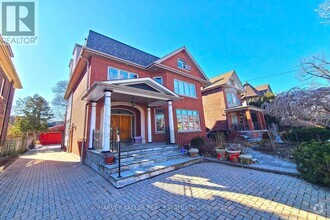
{"x": 224, "y": 109}
{"x": 9, "y": 82}
{"x": 115, "y": 86}
{"x": 253, "y": 94}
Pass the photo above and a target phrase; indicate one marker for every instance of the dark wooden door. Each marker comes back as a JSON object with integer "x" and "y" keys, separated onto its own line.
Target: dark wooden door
{"x": 124, "y": 124}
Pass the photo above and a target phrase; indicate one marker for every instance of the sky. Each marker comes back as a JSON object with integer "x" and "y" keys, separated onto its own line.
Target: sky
{"x": 256, "y": 38}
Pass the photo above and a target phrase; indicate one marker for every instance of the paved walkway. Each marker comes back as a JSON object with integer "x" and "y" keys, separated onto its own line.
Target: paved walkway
{"x": 54, "y": 185}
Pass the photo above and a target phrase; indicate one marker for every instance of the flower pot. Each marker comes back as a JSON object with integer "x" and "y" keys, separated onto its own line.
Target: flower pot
{"x": 193, "y": 154}
{"x": 109, "y": 159}
{"x": 222, "y": 154}
{"x": 233, "y": 155}
{"x": 245, "y": 158}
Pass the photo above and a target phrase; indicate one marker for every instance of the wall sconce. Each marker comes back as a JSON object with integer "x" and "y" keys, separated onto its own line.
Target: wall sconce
{"x": 132, "y": 102}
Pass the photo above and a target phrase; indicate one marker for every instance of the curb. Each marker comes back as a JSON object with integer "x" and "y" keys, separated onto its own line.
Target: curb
{"x": 253, "y": 168}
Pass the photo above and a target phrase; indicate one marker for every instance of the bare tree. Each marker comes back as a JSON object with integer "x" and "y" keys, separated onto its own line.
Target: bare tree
{"x": 58, "y": 101}
{"x": 301, "y": 107}
{"x": 316, "y": 67}
{"x": 324, "y": 11}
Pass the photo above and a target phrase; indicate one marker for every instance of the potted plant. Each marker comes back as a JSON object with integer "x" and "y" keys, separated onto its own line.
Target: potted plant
{"x": 221, "y": 152}
{"x": 245, "y": 158}
{"x": 193, "y": 152}
{"x": 234, "y": 151}
{"x": 109, "y": 158}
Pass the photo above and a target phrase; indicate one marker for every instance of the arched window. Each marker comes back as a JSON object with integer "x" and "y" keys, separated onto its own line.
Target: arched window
{"x": 182, "y": 64}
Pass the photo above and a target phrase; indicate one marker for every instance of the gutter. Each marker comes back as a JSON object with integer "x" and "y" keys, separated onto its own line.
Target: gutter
{"x": 84, "y": 135}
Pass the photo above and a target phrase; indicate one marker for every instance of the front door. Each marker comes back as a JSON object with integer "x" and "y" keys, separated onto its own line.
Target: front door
{"x": 124, "y": 124}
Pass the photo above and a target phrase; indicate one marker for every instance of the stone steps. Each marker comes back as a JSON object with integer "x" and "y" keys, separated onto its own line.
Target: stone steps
{"x": 137, "y": 174}
{"x": 140, "y": 162}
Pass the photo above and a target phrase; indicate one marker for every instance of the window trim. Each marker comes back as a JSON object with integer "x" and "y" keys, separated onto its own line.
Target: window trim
{"x": 184, "y": 82}
{"x": 156, "y": 131}
{"x": 160, "y": 78}
{"x": 185, "y": 64}
{"x": 129, "y": 73}
{"x": 189, "y": 130}
{"x": 236, "y": 98}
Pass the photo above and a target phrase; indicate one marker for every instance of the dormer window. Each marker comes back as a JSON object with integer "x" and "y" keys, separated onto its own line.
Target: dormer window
{"x": 183, "y": 65}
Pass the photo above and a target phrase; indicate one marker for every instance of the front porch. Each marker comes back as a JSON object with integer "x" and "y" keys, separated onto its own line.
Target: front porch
{"x": 129, "y": 109}
{"x": 249, "y": 120}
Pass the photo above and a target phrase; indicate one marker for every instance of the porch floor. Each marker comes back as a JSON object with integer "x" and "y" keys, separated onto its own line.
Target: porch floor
{"x": 139, "y": 162}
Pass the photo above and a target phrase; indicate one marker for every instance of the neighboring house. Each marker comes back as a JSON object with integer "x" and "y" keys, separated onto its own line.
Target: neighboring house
{"x": 223, "y": 106}
{"x": 9, "y": 81}
{"x": 253, "y": 94}
{"x": 115, "y": 86}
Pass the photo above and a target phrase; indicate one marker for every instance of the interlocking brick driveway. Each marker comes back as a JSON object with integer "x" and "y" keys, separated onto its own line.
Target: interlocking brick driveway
{"x": 54, "y": 185}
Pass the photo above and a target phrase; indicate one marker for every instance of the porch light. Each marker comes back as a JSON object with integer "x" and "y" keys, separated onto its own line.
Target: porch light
{"x": 132, "y": 102}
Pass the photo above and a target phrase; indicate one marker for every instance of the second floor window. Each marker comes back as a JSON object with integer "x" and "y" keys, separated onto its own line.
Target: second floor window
{"x": 184, "y": 88}
{"x": 114, "y": 74}
{"x": 232, "y": 100}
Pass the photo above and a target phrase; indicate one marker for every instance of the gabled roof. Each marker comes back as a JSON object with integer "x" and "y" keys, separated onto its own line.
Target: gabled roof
{"x": 263, "y": 88}
{"x": 159, "y": 61}
{"x": 222, "y": 80}
{"x": 118, "y": 49}
{"x": 250, "y": 91}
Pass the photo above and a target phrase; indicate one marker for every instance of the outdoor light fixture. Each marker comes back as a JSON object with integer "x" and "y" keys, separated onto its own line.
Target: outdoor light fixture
{"x": 132, "y": 102}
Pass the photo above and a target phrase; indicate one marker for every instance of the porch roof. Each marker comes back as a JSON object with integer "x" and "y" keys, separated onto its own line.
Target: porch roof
{"x": 241, "y": 108}
{"x": 140, "y": 90}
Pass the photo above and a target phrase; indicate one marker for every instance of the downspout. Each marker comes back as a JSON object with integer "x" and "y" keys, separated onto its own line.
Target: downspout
{"x": 84, "y": 134}
{"x": 86, "y": 111}
{"x": 6, "y": 109}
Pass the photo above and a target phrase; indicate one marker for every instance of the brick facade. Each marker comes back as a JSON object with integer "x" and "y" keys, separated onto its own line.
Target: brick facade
{"x": 98, "y": 71}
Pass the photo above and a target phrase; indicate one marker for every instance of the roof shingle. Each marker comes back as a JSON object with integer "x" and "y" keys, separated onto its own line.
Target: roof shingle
{"x": 118, "y": 49}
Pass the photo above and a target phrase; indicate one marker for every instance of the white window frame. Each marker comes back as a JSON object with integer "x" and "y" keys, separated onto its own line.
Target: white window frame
{"x": 129, "y": 74}
{"x": 184, "y": 84}
{"x": 160, "y": 77}
{"x": 185, "y": 65}
{"x": 155, "y": 116}
{"x": 235, "y": 100}
{"x": 187, "y": 115}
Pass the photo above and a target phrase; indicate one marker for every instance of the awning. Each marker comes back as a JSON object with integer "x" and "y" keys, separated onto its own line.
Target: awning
{"x": 140, "y": 90}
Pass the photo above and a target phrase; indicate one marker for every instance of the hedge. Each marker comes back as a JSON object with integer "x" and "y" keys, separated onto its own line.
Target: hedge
{"x": 308, "y": 134}
{"x": 313, "y": 161}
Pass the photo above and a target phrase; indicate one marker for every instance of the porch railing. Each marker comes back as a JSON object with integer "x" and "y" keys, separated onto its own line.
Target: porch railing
{"x": 98, "y": 138}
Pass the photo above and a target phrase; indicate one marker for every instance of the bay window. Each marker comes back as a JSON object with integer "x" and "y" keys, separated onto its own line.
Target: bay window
{"x": 232, "y": 100}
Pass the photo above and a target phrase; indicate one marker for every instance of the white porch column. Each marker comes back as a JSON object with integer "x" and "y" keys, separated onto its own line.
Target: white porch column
{"x": 106, "y": 122}
{"x": 149, "y": 126}
{"x": 92, "y": 125}
{"x": 171, "y": 122}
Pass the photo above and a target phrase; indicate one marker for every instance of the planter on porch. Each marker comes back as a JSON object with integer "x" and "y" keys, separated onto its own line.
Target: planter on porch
{"x": 109, "y": 158}
{"x": 193, "y": 152}
{"x": 222, "y": 154}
